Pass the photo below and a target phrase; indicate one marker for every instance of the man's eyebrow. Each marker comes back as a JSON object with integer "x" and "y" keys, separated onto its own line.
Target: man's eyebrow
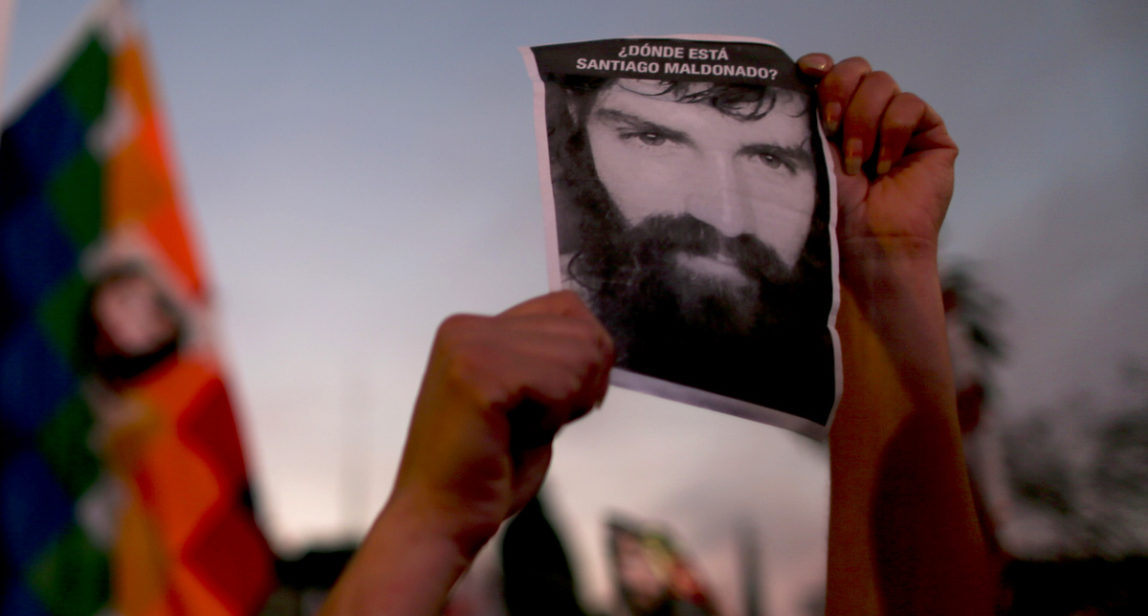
{"x": 798, "y": 154}
{"x": 640, "y": 124}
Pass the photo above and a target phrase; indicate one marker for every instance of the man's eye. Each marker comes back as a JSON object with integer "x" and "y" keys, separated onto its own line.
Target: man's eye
{"x": 774, "y": 161}
{"x": 651, "y": 138}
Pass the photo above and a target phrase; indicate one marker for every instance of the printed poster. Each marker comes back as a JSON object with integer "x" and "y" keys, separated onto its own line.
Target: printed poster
{"x": 690, "y": 202}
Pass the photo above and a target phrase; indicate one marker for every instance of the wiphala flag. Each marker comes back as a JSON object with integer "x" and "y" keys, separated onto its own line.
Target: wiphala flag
{"x": 123, "y": 486}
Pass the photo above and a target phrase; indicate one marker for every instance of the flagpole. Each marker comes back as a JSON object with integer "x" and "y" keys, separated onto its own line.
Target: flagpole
{"x": 7, "y": 10}
{"x": 353, "y": 475}
{"x": 752, "y": 591}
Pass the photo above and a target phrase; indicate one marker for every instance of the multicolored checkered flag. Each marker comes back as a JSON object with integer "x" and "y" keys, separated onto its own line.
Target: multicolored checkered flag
{"x": 123, "y": 487}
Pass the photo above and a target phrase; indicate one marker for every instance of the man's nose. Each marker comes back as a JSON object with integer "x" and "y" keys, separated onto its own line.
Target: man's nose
{"x": 717, "y": 196}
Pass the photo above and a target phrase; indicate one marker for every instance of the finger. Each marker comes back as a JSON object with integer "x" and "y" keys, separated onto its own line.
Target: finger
{"x": 505, "y": 350}
{"x": 602, "y": 381}
{"x": 534, "y": 351}
{"x": 815, "y": 65}
{"x": 561, "y": 367}
{"x": 555, "y": 353}
{"x": 556, "y": 338}
{"x": 575, "y": 355}
{"x": 931, "y": 134}
{"x": 546, "y": 313}
{"x": 547, "y": 322}
{"x": 573, "y": 377}
{"x": 837, "y": 88}
{"x": 554, "y": 314}
{"x": 863, "y": 117}
{"x": 902, "y": 117}
{"x": 559, "y": 302}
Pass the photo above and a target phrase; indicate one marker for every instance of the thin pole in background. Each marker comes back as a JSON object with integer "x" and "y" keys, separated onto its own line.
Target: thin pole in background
{"x": 753, "y": 593}
{"x": 7, "y": 10}
{"x": 356, "y": 471}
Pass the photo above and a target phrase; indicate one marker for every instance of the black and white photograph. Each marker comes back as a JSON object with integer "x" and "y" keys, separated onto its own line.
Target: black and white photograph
{"x": 688, "y": 202}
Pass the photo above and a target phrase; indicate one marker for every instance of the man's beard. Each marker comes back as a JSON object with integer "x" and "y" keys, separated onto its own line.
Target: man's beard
{"x": 636, "y": 278}
{"x": 649, "y": 258}
{"x": 730, "y": 335}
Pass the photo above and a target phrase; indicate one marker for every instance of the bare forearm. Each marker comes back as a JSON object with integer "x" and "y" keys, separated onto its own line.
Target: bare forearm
{"x": 903, "y": 532}
{"x": 403, "y": 568}
{"x": 892, "y": 304}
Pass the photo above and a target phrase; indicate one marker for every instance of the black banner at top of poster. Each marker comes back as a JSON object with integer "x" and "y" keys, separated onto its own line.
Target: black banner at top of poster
{"x": 671, "y": 59}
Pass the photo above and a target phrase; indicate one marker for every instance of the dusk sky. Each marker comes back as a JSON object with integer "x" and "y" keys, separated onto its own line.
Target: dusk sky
{"x": 357, "y": 171}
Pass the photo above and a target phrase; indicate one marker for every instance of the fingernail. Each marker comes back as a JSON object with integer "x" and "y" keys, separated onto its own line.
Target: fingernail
{"x": 821, "y": 64}
{"x": 883, "y": 163}
{"x": 832, "y": 116}
{"x": 853, "y": 156}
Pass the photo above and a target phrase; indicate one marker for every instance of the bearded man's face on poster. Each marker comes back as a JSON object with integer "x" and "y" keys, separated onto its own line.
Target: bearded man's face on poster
{"x": 694, "y": 217}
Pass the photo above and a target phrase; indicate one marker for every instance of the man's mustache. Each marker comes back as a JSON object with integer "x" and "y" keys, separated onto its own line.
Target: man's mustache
{"x": 657, "y": 237}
